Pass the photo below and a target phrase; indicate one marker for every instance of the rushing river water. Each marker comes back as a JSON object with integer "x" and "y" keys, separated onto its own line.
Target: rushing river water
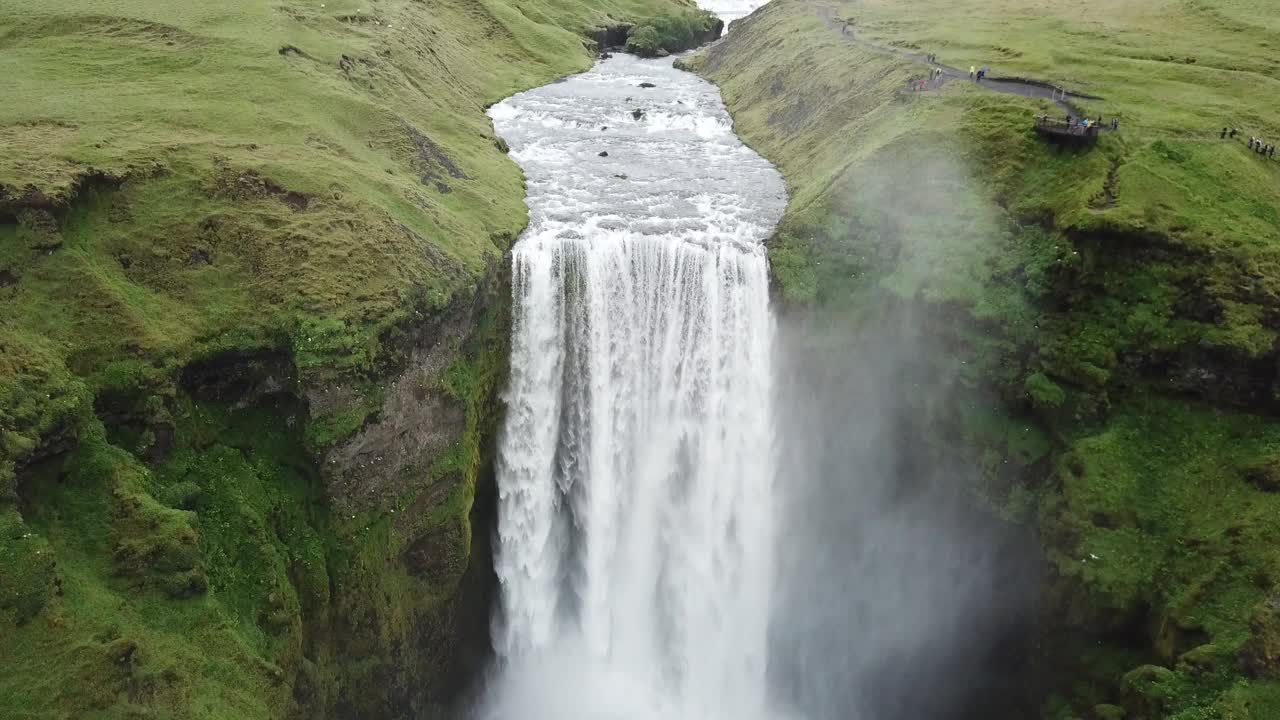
{"x": 637, "y": 464}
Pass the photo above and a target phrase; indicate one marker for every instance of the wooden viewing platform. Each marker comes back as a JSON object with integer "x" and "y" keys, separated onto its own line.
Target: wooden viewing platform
{"x": 1075, "y": 131}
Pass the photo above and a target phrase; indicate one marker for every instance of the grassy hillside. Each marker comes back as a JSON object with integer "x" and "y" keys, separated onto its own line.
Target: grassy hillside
{"x": 1103, "y": 321}
{"x": 250, "y": 261}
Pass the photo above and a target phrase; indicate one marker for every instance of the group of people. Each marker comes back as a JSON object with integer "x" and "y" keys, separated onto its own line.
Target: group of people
{"x": 1081, "y": 126}
{"x": 1087, "y": 123}
{"x": 916, "y": 84}
{"x": 1256, "y": 144}
{"x": 976, "y": 73}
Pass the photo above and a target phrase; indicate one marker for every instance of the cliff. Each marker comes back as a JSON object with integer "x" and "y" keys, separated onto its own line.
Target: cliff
{"x": 252, "y": 262}
{"x": 1095, "y": 328}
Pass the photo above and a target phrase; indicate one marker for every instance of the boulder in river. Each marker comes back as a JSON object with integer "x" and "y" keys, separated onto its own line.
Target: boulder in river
{"x": 647, "y": 85}
{"x": 637, "y": 113}
{"x": 604, "y": 153}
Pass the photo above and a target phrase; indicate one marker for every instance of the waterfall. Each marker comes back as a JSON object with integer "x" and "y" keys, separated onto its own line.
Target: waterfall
{"x": 637, "y": 464}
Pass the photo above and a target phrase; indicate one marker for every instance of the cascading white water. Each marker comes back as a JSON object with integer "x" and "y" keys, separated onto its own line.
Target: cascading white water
{"x": 637, "y": 463}
{"x": 730, "y": 10}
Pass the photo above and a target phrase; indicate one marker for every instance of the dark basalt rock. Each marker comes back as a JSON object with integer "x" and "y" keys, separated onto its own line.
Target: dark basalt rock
{"x": 610, "y": 37}
{"x": 637, "y": 113}
{"x": 647, "y": 85}
{"x": 604, "y": 153}
{"x": 1265, "y": 477}
{"x": 1260, "y": 656}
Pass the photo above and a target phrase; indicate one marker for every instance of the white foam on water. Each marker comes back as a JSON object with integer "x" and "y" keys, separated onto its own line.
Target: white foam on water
{"x": 637, "y": 463}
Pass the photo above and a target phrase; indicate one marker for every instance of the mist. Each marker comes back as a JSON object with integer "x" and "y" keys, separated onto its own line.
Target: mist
{"x": 708, "y": 510}
{"x": 899, "y": 592}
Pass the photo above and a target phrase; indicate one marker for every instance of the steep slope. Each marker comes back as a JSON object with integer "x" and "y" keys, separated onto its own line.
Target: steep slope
{"x": 255, "y": 323}
{"x": 1101, "y": 322}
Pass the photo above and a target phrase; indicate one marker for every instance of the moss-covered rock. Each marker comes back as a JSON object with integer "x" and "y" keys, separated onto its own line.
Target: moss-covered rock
{"x": 1260, "y": 655}
{"x": 674, "y": 33}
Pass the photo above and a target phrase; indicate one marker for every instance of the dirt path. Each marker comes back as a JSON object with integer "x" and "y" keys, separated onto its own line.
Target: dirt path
{"x": 1008, "y": 86}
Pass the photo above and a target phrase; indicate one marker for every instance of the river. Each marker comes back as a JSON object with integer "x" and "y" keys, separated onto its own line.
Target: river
{"x": 637, "y": 464}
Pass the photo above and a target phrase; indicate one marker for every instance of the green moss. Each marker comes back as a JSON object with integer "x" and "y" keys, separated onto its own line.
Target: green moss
{"x": 670, "y": 33}
{"x": 134, "y": 609}
{"x": 1044, "y": 393}
{"x": 1108, "y": 712}
{"x": 27, "y": 570}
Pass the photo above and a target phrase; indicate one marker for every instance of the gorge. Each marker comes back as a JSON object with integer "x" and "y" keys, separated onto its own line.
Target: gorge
{"x": 390, "y": 359}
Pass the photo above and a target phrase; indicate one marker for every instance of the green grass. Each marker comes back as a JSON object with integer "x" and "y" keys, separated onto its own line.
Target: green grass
{"x": 673, "y": 33}
{"x": 1078, "y": 302}
{"x": 205, "y": 127}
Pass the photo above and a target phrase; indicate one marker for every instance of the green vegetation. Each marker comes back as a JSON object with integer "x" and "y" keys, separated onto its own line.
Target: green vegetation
{"x": 231, "y": 235}
{"x": 1104, "y": 319}
{"x": 672, "y": 33}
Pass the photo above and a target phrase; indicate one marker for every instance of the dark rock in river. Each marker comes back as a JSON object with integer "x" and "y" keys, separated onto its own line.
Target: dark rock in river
{"x": 647, "y": 85}
{"x": 610, "y": 36}
{"x": 604, "y": 153}
{"x": 637, "y": 113}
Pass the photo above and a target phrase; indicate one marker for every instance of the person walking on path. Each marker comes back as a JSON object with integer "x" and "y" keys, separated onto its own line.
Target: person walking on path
{"x": 1224, "y": 133}
{"x": 973, "y": 72}
{"x": 1232, "y": 133}
{"x": 1250, "y": 142}
{"x": 1271, "y": 152}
